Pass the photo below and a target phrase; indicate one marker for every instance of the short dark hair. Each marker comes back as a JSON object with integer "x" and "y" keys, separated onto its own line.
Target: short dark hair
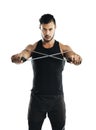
{"x": 47, "y": 18}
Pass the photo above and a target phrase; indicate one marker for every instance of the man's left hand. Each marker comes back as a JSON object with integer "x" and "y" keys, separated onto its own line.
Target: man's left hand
{"x": 75, "y": 59}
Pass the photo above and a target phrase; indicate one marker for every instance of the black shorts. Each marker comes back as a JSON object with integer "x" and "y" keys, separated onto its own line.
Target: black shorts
{"x": 39, "y": 106}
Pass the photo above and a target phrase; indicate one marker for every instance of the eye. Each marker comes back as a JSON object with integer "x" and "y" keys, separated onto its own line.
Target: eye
{"x": 44, "y": 29}
{"x": 50, "y": 29}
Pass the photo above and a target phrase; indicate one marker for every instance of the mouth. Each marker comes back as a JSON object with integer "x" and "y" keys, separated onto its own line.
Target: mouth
{"x": 47, "y": 37}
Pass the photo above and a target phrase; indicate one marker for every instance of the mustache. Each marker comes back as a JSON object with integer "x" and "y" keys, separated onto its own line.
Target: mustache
{"x": 47, "y": 36}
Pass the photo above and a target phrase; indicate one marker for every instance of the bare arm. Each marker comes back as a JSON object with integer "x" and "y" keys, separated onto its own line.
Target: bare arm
{"x": 23, "y": 55}
{"x": 70, "y": 55}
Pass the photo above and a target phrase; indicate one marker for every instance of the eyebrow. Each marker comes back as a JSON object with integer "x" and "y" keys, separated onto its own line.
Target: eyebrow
{"x": 48, "y": 29}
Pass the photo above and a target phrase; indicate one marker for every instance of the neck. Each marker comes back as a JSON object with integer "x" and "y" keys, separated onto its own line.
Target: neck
{"x": 48, "y": 44}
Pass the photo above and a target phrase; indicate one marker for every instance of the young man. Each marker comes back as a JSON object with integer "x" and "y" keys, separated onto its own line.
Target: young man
{"x": 48, "y": 60}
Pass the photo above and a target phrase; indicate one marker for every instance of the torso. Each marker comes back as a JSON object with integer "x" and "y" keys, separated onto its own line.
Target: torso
{"x": 47, "y": 71}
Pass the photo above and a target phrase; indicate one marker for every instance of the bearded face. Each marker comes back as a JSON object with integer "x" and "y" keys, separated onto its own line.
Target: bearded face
{"x": 48, "y": 31}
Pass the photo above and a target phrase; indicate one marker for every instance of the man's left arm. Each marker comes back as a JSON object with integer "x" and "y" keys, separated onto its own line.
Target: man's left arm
{"x": 70, "y": 55}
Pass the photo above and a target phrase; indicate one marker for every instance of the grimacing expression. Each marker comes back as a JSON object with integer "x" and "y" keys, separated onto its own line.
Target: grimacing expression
{"x": 48, "y": 31}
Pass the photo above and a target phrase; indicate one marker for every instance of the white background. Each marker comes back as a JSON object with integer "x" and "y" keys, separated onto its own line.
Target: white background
{"x": 76, "y": 26}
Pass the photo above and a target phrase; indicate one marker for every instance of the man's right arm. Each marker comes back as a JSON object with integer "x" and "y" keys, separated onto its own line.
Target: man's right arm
{"x": 23, "y": 55}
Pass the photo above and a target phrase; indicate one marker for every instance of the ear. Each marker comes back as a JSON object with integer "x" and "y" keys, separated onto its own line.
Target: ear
{"x": 39, "y": 26}
{"x": 55, "y": 26}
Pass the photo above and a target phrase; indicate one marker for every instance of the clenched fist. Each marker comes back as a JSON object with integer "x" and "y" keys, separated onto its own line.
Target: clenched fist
{"x": 75, "y": 59}
{"x": 16, "y": 59}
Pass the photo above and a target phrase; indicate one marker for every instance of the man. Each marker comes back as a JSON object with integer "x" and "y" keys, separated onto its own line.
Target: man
{"x": 48, "y": 59}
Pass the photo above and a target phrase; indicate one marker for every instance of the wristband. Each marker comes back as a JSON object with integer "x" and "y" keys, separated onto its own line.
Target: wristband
{"x": 23, "y": 59}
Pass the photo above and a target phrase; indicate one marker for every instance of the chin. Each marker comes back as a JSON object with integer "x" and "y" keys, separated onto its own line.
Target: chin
{"x": 48, "y": 40}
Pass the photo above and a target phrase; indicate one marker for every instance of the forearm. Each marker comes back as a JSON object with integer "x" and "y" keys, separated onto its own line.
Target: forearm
{"x": 21, "y": 57}
{"x": 71, "y": 56}
{"x": 68, "y": 55}
{"x": 74, "y": 58}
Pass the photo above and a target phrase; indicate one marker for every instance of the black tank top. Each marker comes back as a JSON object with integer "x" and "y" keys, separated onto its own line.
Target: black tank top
{"x": 47, "y": 71}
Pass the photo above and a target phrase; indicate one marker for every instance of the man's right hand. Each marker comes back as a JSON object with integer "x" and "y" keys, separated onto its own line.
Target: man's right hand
{"x": 23, "y": 55}
{"x": 16, "y": 59}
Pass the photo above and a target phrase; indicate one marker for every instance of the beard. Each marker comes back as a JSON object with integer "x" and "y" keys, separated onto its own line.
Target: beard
{"x": 47, "y": 38}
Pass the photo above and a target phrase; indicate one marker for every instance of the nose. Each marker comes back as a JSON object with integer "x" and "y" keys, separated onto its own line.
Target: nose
{"x": 47, "y": 32}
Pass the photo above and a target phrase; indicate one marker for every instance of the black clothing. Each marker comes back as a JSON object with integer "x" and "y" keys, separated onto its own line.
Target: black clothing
{"x": 47, "y": 93}
{"x": 47, "y": 71}
{"x": 54, "y": 106}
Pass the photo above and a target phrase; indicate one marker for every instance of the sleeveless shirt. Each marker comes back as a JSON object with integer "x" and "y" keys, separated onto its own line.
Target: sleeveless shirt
{"x": 47, "y": 71}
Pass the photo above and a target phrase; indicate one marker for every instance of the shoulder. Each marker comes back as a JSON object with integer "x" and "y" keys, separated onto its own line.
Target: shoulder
{"x": 31, "y": 47}
{"x": 64, "y": 47}
{"x": 34, "y": 45}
